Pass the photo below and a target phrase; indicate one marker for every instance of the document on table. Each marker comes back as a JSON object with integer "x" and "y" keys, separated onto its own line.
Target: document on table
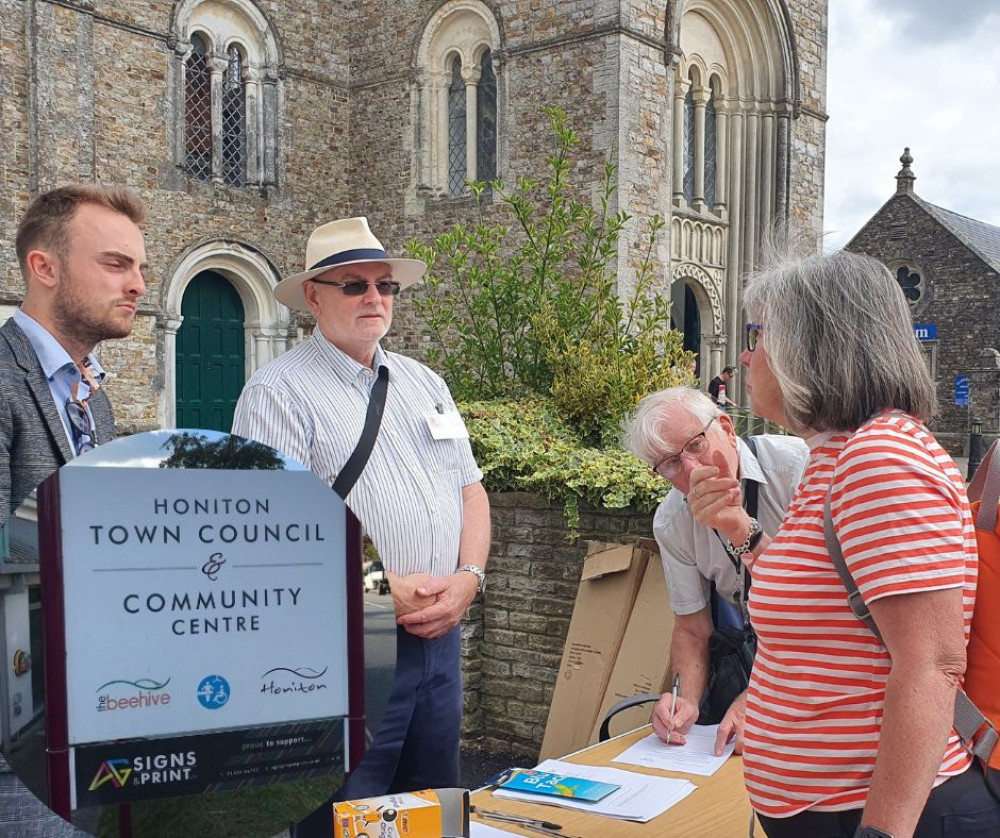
{"x": 641, "y": 797}
{"x": 696, "y": 756}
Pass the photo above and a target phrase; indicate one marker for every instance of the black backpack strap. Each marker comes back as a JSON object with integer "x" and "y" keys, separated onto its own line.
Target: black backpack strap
{"x": 356, "y": 463}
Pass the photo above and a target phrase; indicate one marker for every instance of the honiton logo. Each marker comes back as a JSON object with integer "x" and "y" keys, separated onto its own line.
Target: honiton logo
{"x": 115, "y": 771}
{"x": 285, "y": 680}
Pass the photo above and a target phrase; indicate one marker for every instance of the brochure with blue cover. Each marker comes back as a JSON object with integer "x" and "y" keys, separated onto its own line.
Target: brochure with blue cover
{"x": 558, "y": 785}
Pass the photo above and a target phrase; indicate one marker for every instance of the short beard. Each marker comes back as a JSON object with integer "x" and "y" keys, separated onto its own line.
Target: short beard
{"x": 75, "y": 322}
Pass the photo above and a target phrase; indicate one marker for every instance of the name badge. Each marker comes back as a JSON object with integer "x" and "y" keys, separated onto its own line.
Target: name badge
{"x": 446, "y": 425}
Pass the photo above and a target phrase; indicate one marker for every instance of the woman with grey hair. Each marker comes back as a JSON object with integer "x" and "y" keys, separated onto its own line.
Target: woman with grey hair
{"x": 847, "y": 735}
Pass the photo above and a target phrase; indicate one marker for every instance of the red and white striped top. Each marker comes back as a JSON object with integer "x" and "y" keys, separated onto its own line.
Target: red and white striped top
{"x": 814, "y": 711}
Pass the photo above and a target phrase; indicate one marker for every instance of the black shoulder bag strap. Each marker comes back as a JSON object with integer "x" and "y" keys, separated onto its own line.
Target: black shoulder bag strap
{"x": 750, "y": 498}
{"x": 356, "y": 463}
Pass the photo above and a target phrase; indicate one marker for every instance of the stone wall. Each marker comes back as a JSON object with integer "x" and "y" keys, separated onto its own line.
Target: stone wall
{"x": 513, "y": 641}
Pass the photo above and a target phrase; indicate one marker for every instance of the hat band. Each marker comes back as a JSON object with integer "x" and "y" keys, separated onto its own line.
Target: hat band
{"x": 369, "y": 254}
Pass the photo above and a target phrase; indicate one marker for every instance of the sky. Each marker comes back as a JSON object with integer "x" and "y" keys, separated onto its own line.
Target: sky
{"x": 917, "y": 73}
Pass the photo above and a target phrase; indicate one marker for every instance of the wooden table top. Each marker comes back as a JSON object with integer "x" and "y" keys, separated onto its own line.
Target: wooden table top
{"x": 719, "y": 808}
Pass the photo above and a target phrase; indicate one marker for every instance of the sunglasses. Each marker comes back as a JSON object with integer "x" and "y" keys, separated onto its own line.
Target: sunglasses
{"x": 358, "y": 287}
{"x": 83, "y": 427}
{"x": 753, "y": 335}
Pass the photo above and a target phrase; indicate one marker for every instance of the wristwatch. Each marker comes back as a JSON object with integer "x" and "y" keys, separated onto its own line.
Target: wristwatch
{"x": 478, "y": 572}
{"x": 871, "y": 832}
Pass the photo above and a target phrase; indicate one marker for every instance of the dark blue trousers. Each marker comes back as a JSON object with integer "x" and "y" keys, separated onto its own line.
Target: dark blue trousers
{"x": 417, "y": 743}
{"x": 962, "y": 807}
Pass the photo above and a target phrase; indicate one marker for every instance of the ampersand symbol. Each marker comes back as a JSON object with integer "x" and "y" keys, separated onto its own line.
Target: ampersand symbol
{"x": 212, "y": 567}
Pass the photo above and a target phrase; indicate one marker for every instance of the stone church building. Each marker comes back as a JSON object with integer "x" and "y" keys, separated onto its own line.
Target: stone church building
{"x": 948, "y": 266}
{"x": 246, "y": 123}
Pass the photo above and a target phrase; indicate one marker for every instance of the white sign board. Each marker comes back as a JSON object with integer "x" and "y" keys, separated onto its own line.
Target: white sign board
{"x": 200, "y": 600}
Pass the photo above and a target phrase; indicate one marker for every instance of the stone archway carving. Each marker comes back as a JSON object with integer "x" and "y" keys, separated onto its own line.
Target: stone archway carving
{"x": 707, "y": 290}
{"x": 253, "y": 276}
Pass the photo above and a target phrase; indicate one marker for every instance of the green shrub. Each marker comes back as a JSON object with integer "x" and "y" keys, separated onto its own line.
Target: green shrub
{"x": 532, "y": 307}
{"x": 526, "y": 446}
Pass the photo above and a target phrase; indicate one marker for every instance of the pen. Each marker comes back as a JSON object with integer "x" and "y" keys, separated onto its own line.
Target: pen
{"x": 511, "y": 818}
{"x": 673, "y": 699}
{"x": 551, "y": 829}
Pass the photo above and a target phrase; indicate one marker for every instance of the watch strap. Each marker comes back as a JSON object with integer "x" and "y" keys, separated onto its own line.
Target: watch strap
{"x": 478, "y": 572}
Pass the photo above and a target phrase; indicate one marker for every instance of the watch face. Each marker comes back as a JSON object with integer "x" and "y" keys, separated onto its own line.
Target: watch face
{"x": 871, "y": 832}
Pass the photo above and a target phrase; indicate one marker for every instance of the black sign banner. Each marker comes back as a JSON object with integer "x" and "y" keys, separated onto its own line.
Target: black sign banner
{"x": 144, "y": 769}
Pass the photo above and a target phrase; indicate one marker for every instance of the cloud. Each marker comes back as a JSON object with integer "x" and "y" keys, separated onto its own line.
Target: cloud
{"x": 934, "y": 21}
{"x": 885, "y": 93}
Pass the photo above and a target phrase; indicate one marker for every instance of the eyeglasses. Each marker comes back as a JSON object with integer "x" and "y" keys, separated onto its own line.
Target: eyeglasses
{"x": 79, "y": 420}
{"x": 693, "y": 448}
{"x": 358, "y": 287}
{"x": 753, "y": 335}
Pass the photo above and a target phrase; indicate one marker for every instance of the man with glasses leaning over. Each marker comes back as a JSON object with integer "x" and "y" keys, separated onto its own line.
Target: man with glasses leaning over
{"x": 419, "y": 495}
{"x": 705, "y": 534}
{"x": 83, "y": 261}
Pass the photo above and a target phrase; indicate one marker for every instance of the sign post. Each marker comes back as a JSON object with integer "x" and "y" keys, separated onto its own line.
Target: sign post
{"x": 199, "y": 633}
{"x": 962, "y": 390}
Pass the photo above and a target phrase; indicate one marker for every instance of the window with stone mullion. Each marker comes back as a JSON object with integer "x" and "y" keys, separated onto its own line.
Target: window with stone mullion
{"x": 234, "y": 109}
{"x": 689, "y": 144}
{"x": 198, "y": 111}
{"x": 710, "y": 150}
{"x": 456, "y": 131}
{"x": 486, "y": 121}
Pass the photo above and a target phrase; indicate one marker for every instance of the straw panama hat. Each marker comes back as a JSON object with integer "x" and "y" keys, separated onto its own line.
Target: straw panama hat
{"x": 344, "y": 242}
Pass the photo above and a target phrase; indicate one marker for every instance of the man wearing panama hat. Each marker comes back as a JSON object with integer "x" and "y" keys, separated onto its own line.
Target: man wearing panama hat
{"x": 419, "y": 495}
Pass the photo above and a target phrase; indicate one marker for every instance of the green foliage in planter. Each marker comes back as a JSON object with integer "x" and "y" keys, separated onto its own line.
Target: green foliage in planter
{"x": 526, "y": 446}
{"x": 531, "y": 308}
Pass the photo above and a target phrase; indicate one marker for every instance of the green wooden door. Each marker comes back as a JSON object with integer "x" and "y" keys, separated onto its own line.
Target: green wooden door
{"x": 211, "y": 358}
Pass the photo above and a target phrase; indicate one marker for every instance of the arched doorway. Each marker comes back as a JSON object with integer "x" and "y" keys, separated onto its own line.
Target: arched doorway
{"x": 685, "y": 316}
{"x": 211, "y": 353}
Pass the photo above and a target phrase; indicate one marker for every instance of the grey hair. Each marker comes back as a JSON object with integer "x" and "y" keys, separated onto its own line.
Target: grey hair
{"x": 839, "y": 340}
{"x": 643, "y": 431}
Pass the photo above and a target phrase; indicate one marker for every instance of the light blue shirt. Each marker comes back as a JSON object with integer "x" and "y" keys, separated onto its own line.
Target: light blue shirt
{"x": 311, "y": 402}
{"x": 60, "y": 370}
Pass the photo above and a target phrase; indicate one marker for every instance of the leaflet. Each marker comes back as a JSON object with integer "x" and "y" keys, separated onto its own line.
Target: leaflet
{"x": 640, "y": 797}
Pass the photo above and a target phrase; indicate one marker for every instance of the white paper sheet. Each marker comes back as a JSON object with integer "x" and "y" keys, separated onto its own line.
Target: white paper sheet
{"x": 641, "y": 797}
{"x": 481, "y": 830}
{"x": 696, "y": 756}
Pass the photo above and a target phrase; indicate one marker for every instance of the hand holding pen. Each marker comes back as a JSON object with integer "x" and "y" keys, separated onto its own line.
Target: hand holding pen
{"x": 673, "y": 715}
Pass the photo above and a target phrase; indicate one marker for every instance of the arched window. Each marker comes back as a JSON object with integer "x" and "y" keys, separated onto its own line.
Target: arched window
{"x": 228, "y": 76}
{"x": 198, "y": 111}
{"x": 711, "y": 133}
{"x": 486, "y": 120}
{"x": 456, "y": 98}
{"x": 234, "y": 117}
{"x": 456, "y": 130}
{"x": 689, "y": 143}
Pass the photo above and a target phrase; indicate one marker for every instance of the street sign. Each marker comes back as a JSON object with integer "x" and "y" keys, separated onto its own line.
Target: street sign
{"x": 962, "y": 390}
{"x": 925, "y": 331}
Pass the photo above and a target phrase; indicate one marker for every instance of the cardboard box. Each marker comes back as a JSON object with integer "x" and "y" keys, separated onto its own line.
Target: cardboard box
{"x": 612, "y": 575}
{"x": 642, "y": 662}
{"x": 433, "y": 813}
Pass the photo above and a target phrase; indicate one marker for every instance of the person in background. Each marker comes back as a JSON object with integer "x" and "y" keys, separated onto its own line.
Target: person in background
{"x": 720, "y": 385}
{"x": 701, "y": 527}
{"x": 847, "y": 735}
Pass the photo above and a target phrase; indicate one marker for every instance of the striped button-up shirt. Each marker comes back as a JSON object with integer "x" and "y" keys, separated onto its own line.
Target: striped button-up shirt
{"x": 310, "y": 403}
